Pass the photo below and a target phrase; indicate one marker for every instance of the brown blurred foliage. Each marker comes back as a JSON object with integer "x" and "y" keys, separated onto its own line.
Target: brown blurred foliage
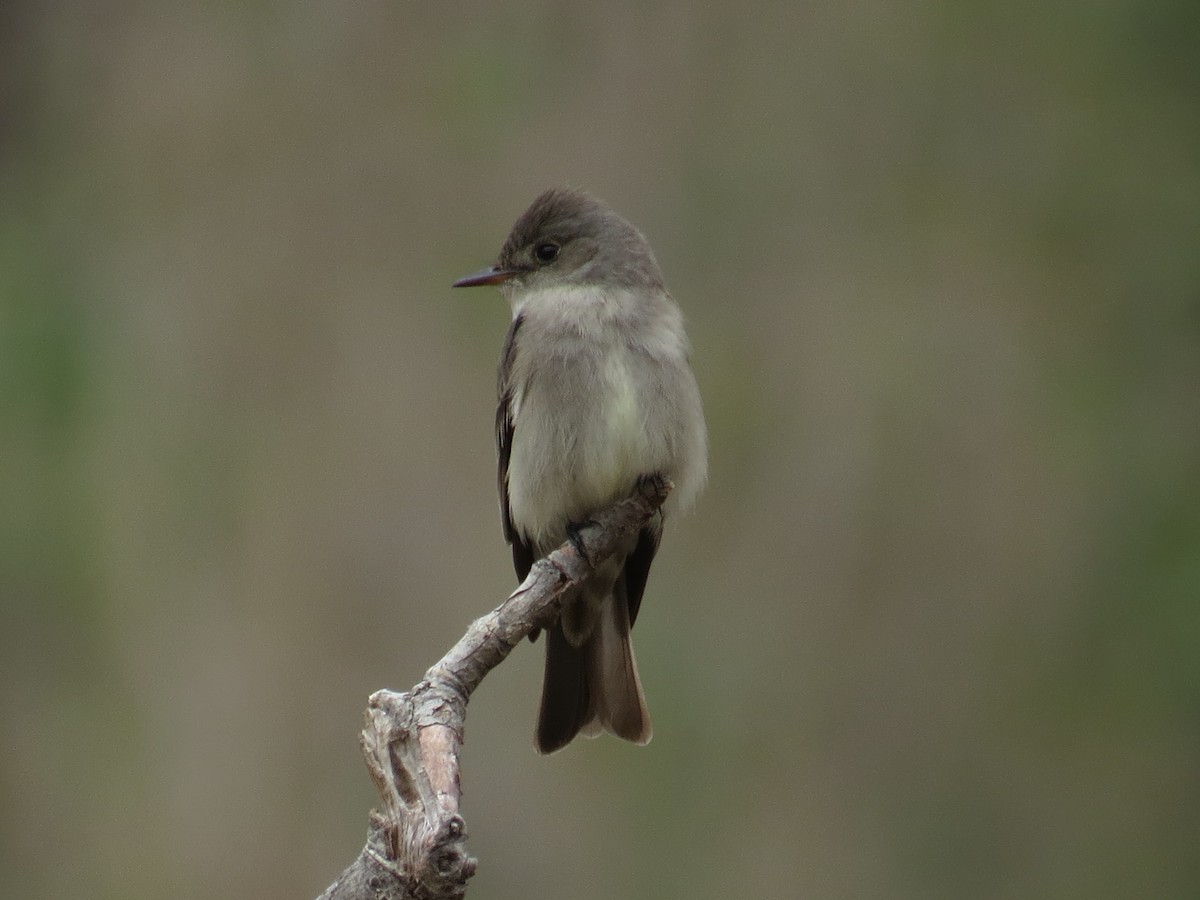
{"x": 933, "y": 629}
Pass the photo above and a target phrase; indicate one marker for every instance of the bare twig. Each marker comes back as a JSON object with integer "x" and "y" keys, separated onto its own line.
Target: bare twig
{"x": 416, "y": 841}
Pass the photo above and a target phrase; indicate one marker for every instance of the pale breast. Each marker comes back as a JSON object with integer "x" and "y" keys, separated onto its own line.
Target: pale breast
{"x": 594, "y": 411}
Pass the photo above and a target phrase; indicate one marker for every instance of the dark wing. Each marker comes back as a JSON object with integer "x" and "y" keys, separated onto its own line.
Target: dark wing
{"x": 637, "y": 564}
{"x": 522, "y": 552}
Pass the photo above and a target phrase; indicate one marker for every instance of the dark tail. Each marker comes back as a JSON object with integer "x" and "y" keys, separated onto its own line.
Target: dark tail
{"x": 593, "y": 686}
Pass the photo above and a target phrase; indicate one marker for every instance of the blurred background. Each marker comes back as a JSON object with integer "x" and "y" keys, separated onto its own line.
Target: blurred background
{"x": 932, "y": 632}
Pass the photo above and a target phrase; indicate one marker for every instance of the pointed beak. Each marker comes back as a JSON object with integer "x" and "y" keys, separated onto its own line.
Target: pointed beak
{"x": 490, "y": 275}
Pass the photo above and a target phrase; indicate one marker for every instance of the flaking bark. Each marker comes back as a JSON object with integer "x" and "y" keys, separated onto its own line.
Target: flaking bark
{"x": 416, "y": 841}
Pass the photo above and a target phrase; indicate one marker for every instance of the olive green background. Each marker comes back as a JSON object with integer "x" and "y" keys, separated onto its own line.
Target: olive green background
{"x": 932, "y": 632}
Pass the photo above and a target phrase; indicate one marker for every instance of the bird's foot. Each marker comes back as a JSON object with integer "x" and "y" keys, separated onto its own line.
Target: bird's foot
{"x": 575, "y": 536}
{"x": 655, "y": 485}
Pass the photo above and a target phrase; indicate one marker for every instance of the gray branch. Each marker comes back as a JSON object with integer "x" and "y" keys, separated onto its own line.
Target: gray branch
{"x": 416, "y": 841}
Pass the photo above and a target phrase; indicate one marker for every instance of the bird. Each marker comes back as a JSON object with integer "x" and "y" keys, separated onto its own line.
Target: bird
{"x": 595, "y": 392}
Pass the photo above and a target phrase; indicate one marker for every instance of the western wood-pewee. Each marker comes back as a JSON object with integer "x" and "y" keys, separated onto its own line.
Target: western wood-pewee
{"x": 595, "y": 392}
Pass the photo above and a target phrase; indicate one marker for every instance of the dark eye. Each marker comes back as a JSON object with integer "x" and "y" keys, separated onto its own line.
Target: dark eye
{"x": 547, "y": 252}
